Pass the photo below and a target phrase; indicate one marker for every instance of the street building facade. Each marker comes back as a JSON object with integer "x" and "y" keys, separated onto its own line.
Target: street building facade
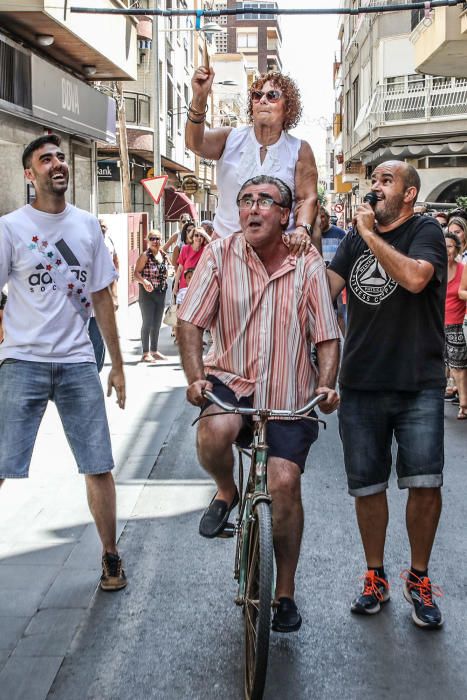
{"x": 387, "y": 109}
{"x": 48, "y": 57}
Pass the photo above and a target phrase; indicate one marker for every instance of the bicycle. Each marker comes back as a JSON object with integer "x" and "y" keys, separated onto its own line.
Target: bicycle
{"x": 254, "y": 547}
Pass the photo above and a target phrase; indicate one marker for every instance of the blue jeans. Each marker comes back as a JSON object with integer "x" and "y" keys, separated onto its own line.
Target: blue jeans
{"x": 26, "y": 388}
{"x": 368, "y": 420}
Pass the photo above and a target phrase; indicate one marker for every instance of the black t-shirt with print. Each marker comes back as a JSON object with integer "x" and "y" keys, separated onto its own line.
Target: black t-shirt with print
{"x": 395, "y": 338}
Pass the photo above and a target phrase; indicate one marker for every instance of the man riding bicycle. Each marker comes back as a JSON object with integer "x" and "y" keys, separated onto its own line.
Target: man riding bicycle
{"x": 265, "y": 309}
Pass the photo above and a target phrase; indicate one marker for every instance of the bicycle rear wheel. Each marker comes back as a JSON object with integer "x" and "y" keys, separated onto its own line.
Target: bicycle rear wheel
{"x": 258, "y": 592}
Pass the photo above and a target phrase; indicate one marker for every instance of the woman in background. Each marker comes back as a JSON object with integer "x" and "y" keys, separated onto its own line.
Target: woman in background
{"x": 151, "y": 273}
{"x": 456, "y": 346}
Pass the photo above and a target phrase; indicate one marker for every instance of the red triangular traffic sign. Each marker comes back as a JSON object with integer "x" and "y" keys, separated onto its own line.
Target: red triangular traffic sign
{"x": 154, "y": 186}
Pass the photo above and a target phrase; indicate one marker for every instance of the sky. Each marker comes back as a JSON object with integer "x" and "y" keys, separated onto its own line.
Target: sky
{"x": 309, "y": 43}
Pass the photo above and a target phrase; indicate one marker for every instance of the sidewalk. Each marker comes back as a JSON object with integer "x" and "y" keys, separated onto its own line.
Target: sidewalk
{"x": 49, "y": 549}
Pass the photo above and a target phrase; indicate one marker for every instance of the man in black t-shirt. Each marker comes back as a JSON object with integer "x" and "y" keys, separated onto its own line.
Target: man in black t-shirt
{"x": 392, "y": 379}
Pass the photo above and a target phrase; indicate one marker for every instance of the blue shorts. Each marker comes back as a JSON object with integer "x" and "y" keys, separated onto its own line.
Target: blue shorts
{"x": 25, "y": 389}
{"x": 287, "y": 439}
{"x": 368, "y": 420}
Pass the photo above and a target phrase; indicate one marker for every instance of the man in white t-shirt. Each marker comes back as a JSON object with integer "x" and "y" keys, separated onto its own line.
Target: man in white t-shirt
{"x": 54, "y": 258}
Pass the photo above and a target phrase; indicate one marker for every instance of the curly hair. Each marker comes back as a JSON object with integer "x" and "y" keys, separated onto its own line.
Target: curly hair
{"x": 291, "y": 94}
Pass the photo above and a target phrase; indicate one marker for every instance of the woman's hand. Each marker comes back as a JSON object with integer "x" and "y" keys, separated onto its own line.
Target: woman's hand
{"x": 147, "y": 285}
{"x": 201, "y": 84}
{"x": 298, "y": 242}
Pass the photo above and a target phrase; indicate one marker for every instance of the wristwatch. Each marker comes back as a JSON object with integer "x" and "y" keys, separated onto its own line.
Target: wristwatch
{"x": 308, "y": 228}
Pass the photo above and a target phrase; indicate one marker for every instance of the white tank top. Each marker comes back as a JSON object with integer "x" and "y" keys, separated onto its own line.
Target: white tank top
{"x": 240, "y": 161}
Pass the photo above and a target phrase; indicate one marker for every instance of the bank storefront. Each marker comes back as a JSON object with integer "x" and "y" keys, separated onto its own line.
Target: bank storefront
{"x": 37, "y": 97}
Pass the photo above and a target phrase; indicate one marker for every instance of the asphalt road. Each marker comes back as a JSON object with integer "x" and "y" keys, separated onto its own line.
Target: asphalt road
{"x": 175, "y": 633}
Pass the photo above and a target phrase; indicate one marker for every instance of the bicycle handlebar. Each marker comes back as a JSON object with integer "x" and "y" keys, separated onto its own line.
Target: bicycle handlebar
{"x": 228, "y": 408}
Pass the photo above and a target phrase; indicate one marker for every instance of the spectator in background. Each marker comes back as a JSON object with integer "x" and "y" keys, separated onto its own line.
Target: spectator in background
{"x": 110, "y": 245}
{"x": 182, "y": 240}
{"x": 188, "y": 259}
{"x": 458, "y": 226}
{"x": 331, "y": 236}
{"x": 442, "y": 219}
{"x": 151, "y": 272}
{"x": 419, "y": 209}
{"x": 175, "y": 238}
{"x": 459, "y": 212}
{"x": 208, "y": 227}
{"x": 456, "y": 347}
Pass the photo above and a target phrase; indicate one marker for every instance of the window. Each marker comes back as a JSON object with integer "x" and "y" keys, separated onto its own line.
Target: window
{"x": 440, "y": 83}
{"x": 256, "y": 10}
{"x": 356, "y": 99}
{"x": 161, "y": 91}
{"x": 144, "y": 116}
{"x": 273, "y": 44}
{"x": 15, "y": 76}
{"x": 347, "y": 115}
{"x": 247, "y": 40}
{"x": 179, "y": 109}
{"x": 395, "y": 84}
{"x": 416, "y": 82}
{"x": 138, "y": 108}
{"x": 130, "y": 109}
{"x": 170, "y": 108}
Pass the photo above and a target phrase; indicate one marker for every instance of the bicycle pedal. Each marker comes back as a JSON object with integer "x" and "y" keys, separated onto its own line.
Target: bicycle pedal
{"x": 228, "y": 531}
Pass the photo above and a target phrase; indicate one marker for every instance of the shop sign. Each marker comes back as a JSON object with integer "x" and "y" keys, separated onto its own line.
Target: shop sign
{"x": 61, "y": 100}
{"x": 190, "y": 184}
{"x": 108, "y": 170}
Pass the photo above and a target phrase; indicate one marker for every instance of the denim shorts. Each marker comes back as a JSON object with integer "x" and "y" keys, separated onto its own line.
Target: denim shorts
{"x": 368, "y": 420}
{"x": 287, "y": 439}
{"x": 26, "y": 388}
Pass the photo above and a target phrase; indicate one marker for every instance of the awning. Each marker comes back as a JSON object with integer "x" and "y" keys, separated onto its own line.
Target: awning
{"x": 176, "y": 204}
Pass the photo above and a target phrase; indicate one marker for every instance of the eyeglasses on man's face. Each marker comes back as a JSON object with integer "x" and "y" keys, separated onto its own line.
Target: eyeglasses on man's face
{"x": 270, "y": 95}
{"x": 262, "y": 202}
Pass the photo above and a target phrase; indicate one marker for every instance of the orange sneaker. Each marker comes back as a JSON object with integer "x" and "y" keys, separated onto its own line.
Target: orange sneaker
{"x": 419, "y": 593}
{"x": 375, "y": 592}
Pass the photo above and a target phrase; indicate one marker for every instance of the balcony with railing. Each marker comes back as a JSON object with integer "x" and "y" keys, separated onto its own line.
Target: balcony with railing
{"x": 424, "y": 98}
{"x": 441, "y": 41}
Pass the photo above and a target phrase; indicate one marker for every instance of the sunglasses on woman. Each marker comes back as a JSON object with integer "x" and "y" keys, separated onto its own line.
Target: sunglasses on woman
{"x": 152, "y": 240}
{"x": 270, "y": 95}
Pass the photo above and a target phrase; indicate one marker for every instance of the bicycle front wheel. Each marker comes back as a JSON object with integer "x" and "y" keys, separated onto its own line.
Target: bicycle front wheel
{"x": 258, "y": 592}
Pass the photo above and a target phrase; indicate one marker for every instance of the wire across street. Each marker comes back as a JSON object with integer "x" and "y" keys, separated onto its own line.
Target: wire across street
{"x": 359, "y": 10}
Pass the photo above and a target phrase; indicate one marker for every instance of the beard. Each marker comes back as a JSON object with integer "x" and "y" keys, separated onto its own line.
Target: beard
{"x": 45, "y": 185}
{"x": 388, "y": 210}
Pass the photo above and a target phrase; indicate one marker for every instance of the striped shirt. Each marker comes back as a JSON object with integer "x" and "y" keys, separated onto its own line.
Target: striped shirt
{"x": 262, "y": 326}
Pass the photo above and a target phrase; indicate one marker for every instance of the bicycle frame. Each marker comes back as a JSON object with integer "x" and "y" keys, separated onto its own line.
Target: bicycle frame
{"x": 256, "y": 488}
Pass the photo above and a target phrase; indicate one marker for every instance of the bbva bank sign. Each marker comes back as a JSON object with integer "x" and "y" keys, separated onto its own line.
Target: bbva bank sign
{"x": 70, "y": 96}
{"x": 63, "y": 101}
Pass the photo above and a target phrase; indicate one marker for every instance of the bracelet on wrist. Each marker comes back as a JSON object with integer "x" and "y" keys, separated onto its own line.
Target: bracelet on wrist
{"x": 308, "y": 228}
{"x": 195, "y": 111}
{"x": 196, "y": 121}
